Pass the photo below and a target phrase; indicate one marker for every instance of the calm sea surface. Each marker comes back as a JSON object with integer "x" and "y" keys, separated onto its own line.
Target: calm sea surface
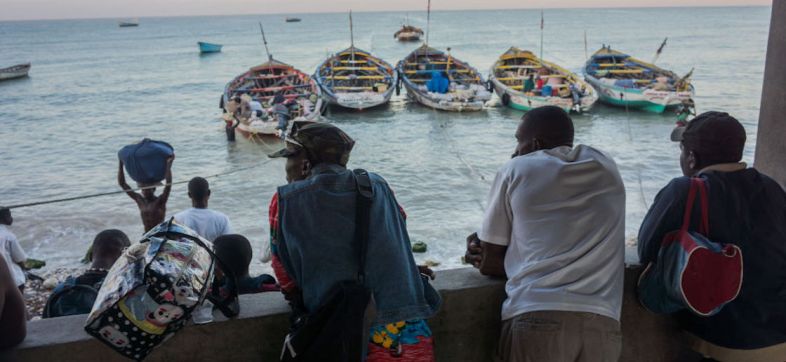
{"x": 95, "y": 87}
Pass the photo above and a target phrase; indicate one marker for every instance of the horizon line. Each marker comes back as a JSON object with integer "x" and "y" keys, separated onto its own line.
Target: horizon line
{"x": 391, "y": 11}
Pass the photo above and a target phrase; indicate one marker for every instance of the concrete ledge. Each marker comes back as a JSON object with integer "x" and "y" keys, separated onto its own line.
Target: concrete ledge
{"x": 466, "y": 329}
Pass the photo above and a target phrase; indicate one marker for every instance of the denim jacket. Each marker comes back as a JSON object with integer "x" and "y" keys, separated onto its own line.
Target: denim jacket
{"x": 316, "y": 244}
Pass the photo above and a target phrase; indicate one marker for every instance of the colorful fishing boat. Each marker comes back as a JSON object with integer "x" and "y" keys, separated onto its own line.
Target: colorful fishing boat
{"x": 624, "y": 81}
{"x": 262, "y": 84}
{"x": 355, "y": 79}
{"x": 517, "y": 72}
{"x": 209, "y": 47}
{"x": 15, "y": 71}
{"x": 438, "y": 80}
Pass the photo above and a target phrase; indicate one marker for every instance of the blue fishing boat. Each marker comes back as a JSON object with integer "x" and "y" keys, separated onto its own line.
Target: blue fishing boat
{"x": 209, "y": 47}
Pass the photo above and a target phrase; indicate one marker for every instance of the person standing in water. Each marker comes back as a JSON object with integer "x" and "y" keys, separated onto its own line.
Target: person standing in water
{"x": 152, "y": 208}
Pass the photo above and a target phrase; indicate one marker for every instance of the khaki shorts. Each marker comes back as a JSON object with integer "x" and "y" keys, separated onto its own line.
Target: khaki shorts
{"x": 560, "y": 336}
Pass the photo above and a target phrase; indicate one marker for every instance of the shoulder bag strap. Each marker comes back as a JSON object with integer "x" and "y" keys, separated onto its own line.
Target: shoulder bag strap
{"x": 365, "y": 194}
{"x": 689, "y": 206}
{"x": 701, "y": 185}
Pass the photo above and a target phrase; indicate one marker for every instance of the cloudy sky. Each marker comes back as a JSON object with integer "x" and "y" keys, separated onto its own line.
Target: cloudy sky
{"x": 58, "y": 9}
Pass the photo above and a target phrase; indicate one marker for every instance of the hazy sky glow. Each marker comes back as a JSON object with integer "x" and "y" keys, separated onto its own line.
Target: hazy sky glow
{"x": 60, "y": 9}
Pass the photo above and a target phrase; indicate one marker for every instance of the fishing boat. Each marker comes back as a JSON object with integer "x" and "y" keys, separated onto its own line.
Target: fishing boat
{"x": 292, "y": 20}
{"x": 355, "y": 79}
{"x": 408, "y": 33}
{"x": 128, "y": 23}
{"x": 438, "y": 80}
{"x": 209, "y": 47}
{"x": 15, "y": 71}
{"x": 561, "y": 87}
{"x": 624, "y": 81}
{"x": 262, "y": 83}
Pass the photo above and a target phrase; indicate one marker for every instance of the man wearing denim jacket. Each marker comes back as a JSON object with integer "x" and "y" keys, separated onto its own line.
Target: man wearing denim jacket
{"x": 315, "y": 243}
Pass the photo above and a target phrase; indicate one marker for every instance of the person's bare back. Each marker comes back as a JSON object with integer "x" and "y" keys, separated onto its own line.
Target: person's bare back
{"x": 152, "y": 208}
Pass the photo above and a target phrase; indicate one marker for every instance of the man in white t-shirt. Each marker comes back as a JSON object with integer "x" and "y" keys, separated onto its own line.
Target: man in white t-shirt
{"x": 209, "y": 224}
{"x": 554, "y": 225}
{"x": 12, "y": 252}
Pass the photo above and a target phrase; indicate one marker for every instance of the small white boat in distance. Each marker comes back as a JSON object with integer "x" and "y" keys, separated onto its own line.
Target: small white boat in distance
{"x": 16, "y": 71}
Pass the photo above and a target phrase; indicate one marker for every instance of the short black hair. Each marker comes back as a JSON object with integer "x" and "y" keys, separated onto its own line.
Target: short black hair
{"x": 109, "y": 242}
{"x": 199, "y": 188}
{"x": 716, "y": 137}
{"x": 550, "y": 124}
{"x": 235, "y": 251}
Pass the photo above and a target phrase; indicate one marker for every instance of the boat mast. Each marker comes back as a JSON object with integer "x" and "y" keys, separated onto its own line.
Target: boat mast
{"x": 428, "y": 20}
{"x": 264, "y": 40}
{"x": 351, "y": 39}
{"x": 660, "y": 49}
{"x": 585, "y": 45}
{"x": 541, "y": 36}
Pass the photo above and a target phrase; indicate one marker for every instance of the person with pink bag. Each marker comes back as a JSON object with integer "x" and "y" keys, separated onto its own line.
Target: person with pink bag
{"x": 741, "y": 209}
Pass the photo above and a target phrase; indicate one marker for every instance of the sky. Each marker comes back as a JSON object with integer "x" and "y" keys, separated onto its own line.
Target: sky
{"x": 77, "y": 9}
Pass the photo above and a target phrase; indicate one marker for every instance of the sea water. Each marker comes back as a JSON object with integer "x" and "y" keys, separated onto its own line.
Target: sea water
{"x": 95, "y": 87}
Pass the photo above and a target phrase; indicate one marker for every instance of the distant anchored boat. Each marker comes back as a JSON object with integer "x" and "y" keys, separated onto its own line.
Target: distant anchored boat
{"x": 209, "y": 47}
{"x": 16, "y": 71}
{"x": 408, "y": 33}
{"x": 128, "y": 23}
{"x": 624, "y": 81}
{"x": 292, "y": 20}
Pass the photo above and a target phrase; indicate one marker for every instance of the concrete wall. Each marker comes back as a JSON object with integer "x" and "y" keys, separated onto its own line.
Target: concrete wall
{"x": 771, "y": 145}
{"x": 466, "y": 329}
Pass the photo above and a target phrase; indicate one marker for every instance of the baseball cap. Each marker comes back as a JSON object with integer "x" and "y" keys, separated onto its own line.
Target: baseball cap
{"x": 713, "y": 132}
{"x": 322, "y": 141}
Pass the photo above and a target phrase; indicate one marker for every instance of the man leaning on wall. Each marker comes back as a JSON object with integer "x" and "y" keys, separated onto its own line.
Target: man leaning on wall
{"x": 554, "y": 225}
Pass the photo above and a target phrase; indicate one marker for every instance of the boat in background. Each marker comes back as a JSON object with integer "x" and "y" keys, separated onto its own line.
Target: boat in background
{"x": 209, "y": 47}
{"x": 355, "y": 79}
{"x": 15, "y": 71}
{"x": 262, "y": 83}
{"x": 624, "y": 81}
{"x": 292, "y": 20}
{"x": 440, "y": 81}
{"x": 128, "y": 23}
{"x": 408, "y": 32}
{"x": 562, "y": 88}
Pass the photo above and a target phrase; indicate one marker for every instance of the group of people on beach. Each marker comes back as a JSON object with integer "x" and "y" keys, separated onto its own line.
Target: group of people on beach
{"x": 553, "y": 227}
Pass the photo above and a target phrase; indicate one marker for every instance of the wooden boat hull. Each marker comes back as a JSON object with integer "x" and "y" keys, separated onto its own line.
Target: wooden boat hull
{"x": 359, "y": 84}
{"x": 16, "y": 71}
{"x": 647, "y": 100}
{"x": 517, "y": 99}
{"x": 626, "y": 92}
{"x": 209, "y": 47}
{"x": 405, "y": 37}
{"x": 471, "y": 99}
{"x": 256, "y": 83}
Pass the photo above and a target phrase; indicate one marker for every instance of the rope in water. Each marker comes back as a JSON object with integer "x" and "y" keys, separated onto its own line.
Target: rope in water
{"x": 638, "y": 169}
{"x": 90, "y": 196}
{"x": 471, "y": 169}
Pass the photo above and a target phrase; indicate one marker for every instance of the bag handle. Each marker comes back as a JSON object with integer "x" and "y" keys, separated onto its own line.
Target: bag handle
{"x": 697, "y": 185}
{"x": 365, "y": 194}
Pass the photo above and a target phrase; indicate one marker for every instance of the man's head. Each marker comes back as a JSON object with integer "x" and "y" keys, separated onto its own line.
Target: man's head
{"x": 311, "y": 144}
{"x": 709, "y": 139}
{"x": 108, "y": 245}
{"x": 235, "y": 251}
{"x": 199, "y": 191}
{"x": 543, "y": 128}
{"x": 5, "y": 216}
{"x": 148, "y": 190}
{"x": 279, "y": 98}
